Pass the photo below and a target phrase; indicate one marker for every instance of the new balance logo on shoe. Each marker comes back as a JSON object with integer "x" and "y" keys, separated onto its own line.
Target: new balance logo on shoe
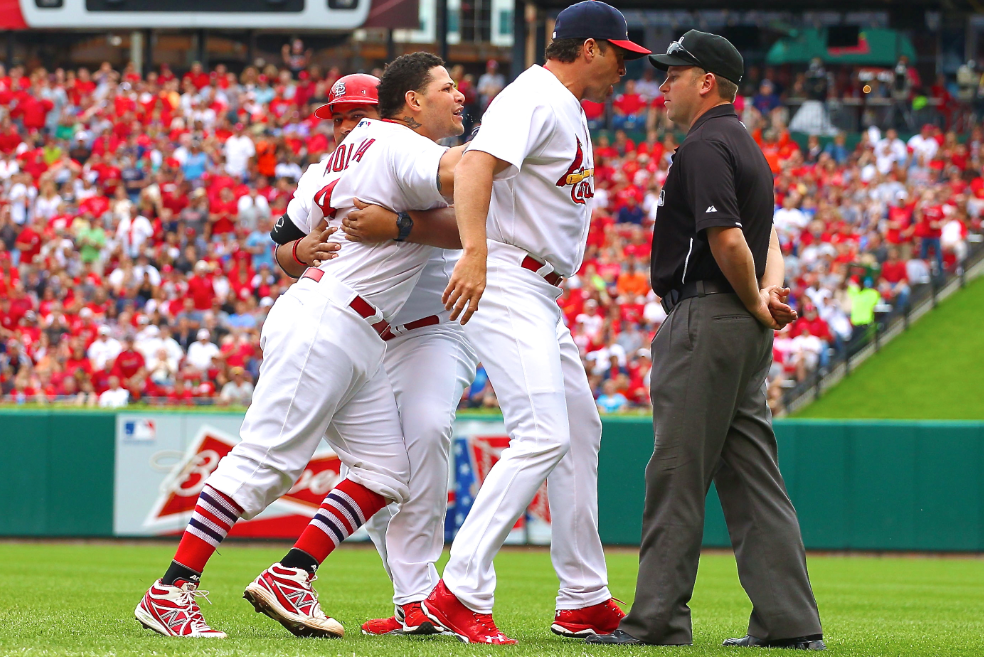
{"x": 710, "y": 208}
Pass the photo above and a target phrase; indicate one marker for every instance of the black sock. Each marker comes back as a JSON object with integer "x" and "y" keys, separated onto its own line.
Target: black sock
{"x": 300, "y": 559}
{"x": 176, "y": 571}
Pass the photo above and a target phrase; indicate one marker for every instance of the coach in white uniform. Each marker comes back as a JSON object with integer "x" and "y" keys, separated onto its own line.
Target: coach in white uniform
{"x": 521, "y": 235}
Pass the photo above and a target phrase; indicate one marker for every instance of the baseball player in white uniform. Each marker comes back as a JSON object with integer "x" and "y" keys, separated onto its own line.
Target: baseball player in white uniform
{"x": 429, "y": 363}
{"x": 523, "y": 215}
{"x": 321, "y": 375}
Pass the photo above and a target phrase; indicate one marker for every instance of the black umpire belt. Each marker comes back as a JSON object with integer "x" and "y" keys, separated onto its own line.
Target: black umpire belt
{"x": 693, "y": 289}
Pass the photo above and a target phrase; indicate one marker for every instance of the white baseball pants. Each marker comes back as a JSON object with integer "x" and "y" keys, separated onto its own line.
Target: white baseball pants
{"x": 321, "y": 377}
{"x": 429, "y": 369}
{"x": 555, "y": 431}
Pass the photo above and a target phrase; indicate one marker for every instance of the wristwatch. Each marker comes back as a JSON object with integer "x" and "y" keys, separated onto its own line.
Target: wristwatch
{"x": 404, "y": 224}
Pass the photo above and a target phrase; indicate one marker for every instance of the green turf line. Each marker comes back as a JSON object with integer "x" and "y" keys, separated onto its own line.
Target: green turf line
{"x": 933, "y": 371}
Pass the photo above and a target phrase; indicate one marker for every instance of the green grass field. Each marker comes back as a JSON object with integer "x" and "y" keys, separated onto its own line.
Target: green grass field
{"x": 78, "y": 599}
{"x": 933, "y": 371}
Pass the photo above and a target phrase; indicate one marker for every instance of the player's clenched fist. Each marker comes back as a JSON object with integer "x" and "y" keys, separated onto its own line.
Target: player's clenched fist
{"x": 467, "y": 284}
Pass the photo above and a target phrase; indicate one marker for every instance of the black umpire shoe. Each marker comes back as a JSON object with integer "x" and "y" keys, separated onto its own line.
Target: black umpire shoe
{"x": 812, "y": 642}
{"x": 616, "y": 638}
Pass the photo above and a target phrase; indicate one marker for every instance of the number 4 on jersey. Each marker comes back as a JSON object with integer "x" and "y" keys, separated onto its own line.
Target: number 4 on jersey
{"x": 323, "y": 199}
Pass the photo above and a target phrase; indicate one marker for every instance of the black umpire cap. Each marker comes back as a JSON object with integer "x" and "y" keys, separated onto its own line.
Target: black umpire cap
{"x": 592, "y": 19}
{"x": 711, "y": 52}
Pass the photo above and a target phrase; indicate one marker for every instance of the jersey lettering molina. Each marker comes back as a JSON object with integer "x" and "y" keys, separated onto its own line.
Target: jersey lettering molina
{"x": 540, "y": 202}
{"x": 385, "y": 164}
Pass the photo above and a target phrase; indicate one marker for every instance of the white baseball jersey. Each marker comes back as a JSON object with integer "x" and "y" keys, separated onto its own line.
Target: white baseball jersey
{"x": 425, "y": 299}
{"x": 538, "y": 126}
{"x": 386, "y": 164}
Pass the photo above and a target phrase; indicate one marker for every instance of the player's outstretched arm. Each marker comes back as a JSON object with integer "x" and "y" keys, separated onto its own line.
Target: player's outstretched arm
{"x": 374, "y": 223}
{"x": 472, "y": 196}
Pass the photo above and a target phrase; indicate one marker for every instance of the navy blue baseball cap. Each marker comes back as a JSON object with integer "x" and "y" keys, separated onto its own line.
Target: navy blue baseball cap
{"x": 593, "y": 19}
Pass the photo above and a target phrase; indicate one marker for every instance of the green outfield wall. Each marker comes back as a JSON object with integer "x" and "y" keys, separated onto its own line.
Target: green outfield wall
{"x": 857, "y": 485}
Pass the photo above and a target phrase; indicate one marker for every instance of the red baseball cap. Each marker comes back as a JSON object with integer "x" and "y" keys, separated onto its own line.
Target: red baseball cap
{"x": 355, "y": 89}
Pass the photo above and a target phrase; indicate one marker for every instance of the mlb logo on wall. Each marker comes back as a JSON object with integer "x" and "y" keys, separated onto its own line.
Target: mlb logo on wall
{"x": 139, "y": 431}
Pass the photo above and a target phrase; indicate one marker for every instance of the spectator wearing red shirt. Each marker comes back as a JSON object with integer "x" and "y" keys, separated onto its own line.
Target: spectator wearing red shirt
{"x": 894, "y": 281}
{"x": 180, "y": 394}
{"x": 10, "y": 138}
{"x": 628, "y": 108}
{"x": 8, "y": 318}
{"x": 78, "y": 360}
{"x": 29, "y": 241}
{"x": 812, "y": 322}
{"x": 223, "y": 213}
{"x": 899, "y": 222}
{"x": 929, "y": 218}
{"x": 196, "y": 76}
{"x": 594, "y": 113}
{"x": 32, "y": 109}
{"x": 200, "y": 288}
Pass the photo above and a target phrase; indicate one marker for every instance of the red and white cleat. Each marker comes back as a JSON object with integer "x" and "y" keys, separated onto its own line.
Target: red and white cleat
{"x": 416, "y": 622}
{"x": 381, "y": 626}
{"x": 602, "y": 618}
{"x": 286, "y": 596}
{"x": 173, "y": 611}
{"x": 411, "y": 620}
{"x": 447, "y": 612}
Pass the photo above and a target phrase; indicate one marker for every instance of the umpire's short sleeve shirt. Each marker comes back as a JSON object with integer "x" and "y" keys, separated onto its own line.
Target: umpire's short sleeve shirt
{"x": 718, "y": 177}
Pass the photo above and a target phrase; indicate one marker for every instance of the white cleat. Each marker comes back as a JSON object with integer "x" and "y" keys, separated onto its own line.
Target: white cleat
{"x": 173, "y": 611}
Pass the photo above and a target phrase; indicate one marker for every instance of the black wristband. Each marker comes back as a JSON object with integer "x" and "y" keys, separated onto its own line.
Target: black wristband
{"x": 404, "y": 223}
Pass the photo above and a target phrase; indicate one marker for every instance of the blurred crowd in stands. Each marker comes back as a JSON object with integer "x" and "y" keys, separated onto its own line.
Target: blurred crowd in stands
{"x": 136, "y": 263}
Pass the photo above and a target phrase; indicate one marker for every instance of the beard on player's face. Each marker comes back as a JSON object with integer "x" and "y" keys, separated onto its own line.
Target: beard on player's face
{"x": 440, "y": 105}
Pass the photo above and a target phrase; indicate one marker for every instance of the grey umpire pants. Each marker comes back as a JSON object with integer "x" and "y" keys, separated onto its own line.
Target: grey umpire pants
{"x": 711, "y": 421}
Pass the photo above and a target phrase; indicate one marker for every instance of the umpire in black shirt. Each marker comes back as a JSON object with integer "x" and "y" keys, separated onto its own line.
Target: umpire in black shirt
{"x": 717, "y": 267}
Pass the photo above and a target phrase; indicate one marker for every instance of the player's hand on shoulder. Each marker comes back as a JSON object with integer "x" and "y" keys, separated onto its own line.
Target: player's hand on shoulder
{"x": 315, "y": 248}
{"x": 466, "y": 286}
{"x": 370, "y": 223}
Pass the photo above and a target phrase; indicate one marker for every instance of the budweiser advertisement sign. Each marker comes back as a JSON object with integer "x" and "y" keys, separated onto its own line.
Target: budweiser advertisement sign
{"x": 175, "y": 469}
{"x": 163, "y": 461}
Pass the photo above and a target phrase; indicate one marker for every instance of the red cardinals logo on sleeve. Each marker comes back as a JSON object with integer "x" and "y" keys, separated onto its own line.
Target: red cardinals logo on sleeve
{"x": 578, "y": 177}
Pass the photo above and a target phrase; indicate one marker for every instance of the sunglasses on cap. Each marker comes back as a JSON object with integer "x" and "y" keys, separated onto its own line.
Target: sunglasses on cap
{"x": 677, "y": 48}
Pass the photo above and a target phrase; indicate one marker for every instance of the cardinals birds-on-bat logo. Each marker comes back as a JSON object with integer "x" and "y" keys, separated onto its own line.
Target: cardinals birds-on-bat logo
{"x": 578, "y": 178}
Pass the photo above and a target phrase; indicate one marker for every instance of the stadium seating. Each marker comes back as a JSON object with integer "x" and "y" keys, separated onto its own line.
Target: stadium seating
{"x": 135, "y": 262}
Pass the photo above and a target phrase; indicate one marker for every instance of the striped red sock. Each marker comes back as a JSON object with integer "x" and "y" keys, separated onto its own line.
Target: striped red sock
{"x": 215, "y": 514}
{"x": 345, "y": 509}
